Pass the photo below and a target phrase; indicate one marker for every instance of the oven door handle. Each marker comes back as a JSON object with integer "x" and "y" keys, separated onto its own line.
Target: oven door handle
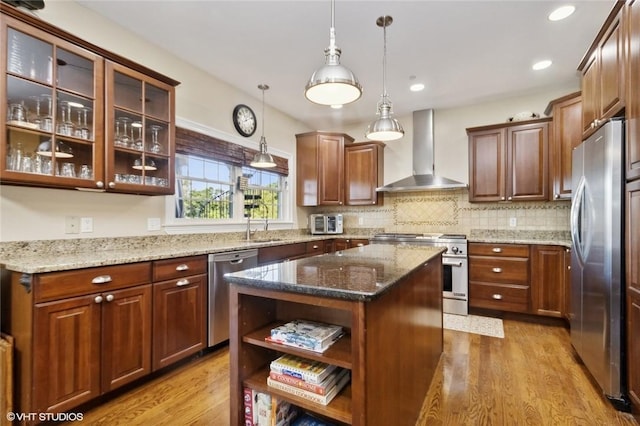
{"x": 458, "y": 264}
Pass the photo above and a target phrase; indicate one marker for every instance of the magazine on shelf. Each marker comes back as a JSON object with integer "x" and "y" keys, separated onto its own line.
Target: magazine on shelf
{"x": 343, "y": 379}
{"x": 302, "y": 368}
{"x": 307, "y": 419}
{"x": 304, "y": 334}
{"x": 264, "y": 409}
{"x": 319, "y": 388}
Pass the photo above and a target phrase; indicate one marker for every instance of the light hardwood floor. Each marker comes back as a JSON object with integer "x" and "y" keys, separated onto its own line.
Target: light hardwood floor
{"x": 528, "y": 378}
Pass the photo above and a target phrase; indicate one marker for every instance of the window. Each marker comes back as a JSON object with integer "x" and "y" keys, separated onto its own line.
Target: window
{"x": 211, "y": 189}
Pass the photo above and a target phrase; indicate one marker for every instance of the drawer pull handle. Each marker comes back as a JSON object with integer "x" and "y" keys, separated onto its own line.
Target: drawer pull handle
{"x": 315, "y": 247}
{"x": 102, "y": 279}
{"x": 110, "y": 297}
{"x": 496, "y": 250}
{"x": 497, "y": 296}
{"x": 181, "y": 283}
{"x": 98, "y": 299}
{"x": 360, "y": 245}
{"x": 497, "y": 270}
{"x": 182, "y": 267}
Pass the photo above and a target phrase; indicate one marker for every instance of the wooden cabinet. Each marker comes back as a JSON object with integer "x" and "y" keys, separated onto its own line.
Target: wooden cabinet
{"x": 633, "y": 290}
{"x": 320, "y": 168}
{"x": 363, "y": 173}
{"x": 61, "y": 97}
{"x": 319, "y": 247}
{"x": 603, "y": 74}
{"x": 632, "y": 77}
{"x": 79, "y": 333}
{"x": 567, "y": 284}
{"x": 281, "y": 253}
{"x": 509, "y": 162}
{"x": 566, "y": 134}
{"x": 179, "y": 309}
{"x": 499, "y": 276}
{"x": 548, "y": 280}
{"x": 347, "y": 243}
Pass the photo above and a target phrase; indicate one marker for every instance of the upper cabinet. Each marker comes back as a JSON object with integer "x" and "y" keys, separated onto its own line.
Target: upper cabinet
{"x": 509, "y": 162}
{"x": 603, "y": 74}
{"x": 632, "y": 20}
{"x": 363, "y": 173}
{"x": 566, "y": 134}
{"x": 77, "y": 116}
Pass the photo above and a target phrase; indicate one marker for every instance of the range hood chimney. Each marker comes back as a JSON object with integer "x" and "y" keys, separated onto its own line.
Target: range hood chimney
{"x": 423, "y": 178}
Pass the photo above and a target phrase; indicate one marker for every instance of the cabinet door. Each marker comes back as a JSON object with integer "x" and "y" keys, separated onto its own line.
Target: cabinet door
{"x": 567, "y": 134}
{"x": 567, "y": 284}
{"x": 633, "y": 290}
{"x": 66, "y": 353}
{"x": 633, "y": 346}
{"x": 547, "y": 280}
{"x": 330, "y": 170}
{"x": 612, "y": 70}
{"x": 51, "y": 111}
{"x": 363, "y": 168}
{"x": 633, "y": 89}
{"x": 527, "y": 163}
{"x": 179, "y": 319}
{"x": 126, "y": 336}
{"x": 487, "y": 168}
{"x": 590, "y": 95}
{"x": 340, "y": 244}
{"x": 139, "y": 135}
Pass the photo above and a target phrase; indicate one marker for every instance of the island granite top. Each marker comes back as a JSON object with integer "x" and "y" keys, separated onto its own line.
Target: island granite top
{"x": 361, "y": 273}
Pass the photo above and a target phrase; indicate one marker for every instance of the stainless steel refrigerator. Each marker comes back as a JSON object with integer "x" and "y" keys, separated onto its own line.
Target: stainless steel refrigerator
{"x": 597, "y": 259}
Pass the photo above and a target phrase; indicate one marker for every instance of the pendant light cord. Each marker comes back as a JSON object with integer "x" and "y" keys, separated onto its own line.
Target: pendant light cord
{"x": 384, "y": 59}
{"x": 263, "y": 89}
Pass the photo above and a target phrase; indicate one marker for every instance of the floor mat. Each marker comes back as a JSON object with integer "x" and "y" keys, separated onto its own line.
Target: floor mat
{"x": 486, "y": 326}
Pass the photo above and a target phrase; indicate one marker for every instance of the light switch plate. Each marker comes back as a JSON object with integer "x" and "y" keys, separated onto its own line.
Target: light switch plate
{"x": 153, "y": 224}
{"x": 71, "y": 225}
{"x": 86, "y": 224}
{"x": 513, "y": 221}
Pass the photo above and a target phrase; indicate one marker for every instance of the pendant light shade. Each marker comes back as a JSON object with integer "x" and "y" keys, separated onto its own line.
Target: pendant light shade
{"x": 263, "y": 159}
{"x": 333, "y": 83}
{"x": 385, "y": 127}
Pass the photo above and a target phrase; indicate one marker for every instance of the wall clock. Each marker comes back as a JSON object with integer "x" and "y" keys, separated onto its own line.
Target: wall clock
{"x": 244, "y": 120}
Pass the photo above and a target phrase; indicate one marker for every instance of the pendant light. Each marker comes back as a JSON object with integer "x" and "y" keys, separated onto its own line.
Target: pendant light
{"x": 333, "y": 83}
{"x": 263, "y": 159}
{"x": 385, "y": 127}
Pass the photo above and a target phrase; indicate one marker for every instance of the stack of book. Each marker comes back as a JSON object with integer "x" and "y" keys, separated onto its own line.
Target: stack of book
{"x": 304, "y": 334}
{"x": 262, "y": 409}
{"x": 312, "y": 380}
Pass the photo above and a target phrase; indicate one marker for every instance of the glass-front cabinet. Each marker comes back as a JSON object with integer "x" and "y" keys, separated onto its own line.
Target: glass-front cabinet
{"x": 78, "y": 116}
{"x": 53, "y": 112}
{"x": 139, "y": 133}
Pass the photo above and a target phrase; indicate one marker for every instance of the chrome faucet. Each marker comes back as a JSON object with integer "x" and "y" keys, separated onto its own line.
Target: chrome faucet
{"x": 249, "y": 232}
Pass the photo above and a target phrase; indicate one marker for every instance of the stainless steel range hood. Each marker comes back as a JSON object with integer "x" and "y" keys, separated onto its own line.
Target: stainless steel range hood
{"x": 423, "y": 178}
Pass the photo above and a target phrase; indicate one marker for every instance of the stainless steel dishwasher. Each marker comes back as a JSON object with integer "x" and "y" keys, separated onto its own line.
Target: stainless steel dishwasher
{"x": 220, "y": 264}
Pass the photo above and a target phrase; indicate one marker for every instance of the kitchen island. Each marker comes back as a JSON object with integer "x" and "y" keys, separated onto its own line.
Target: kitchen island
{"x": 388, "y": 298}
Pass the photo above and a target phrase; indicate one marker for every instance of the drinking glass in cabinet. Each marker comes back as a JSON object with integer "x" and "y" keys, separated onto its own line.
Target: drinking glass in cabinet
{"x": 86, "y": 172}
{"x": 66, "y": 126}
{"x": 82, "y": 128}
{"x": 138, "y": 142}
{"x": 68, "y": 170}
{"x": 46, "y": 121}
{"x": 155, "y": 147}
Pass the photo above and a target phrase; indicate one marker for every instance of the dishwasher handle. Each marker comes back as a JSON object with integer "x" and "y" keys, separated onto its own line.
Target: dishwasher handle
{"x": 236, "y": 261}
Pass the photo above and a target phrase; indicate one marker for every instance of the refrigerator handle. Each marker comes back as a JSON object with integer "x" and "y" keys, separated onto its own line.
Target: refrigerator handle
{"x": 577, "y": 204}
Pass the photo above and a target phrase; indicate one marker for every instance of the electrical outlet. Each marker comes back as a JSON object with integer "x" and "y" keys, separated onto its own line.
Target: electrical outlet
{"x": 86, "y": 224}
{"x": 513, "y": 221}
{"x": 71, "y": 225}
{"x": 153, "y": 224}
{"x": 360, "y": 221}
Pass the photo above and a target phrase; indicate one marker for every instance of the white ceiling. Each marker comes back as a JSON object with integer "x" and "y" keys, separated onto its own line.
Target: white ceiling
{"x": 465, "y": 52}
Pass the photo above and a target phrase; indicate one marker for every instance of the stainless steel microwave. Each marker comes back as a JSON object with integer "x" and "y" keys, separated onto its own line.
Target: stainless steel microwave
{"x": 325, "y": 223}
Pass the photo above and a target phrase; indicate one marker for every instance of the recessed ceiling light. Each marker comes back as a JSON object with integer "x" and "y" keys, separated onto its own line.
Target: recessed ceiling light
{"x": 561, "y": 13}
{"x": 541, "y": 65}
{"x": 416, "y": 87}
{"x": 336, "y": 106}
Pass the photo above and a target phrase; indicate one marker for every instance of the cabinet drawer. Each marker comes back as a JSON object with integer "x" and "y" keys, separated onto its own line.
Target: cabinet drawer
{"x": 283, "y": 252}
{"x": 506, "y": 250}
{"x": 180, "y": 267}
{"x": 57, "y": 285}
{"x": 316, "y": 247}
{"x": 513, "y": 298}
{"x": 499, "y": 270}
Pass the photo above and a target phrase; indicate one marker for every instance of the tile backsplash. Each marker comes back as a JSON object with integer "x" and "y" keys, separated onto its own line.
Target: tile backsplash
{"x": 450, "y": 211}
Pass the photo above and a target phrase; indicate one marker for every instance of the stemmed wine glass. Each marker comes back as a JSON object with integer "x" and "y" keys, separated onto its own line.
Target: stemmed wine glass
{"x": 82, "y": 130}
{"x": 156, "y": 147}
{"x": 66, "y": 125}
{"x": 125, "y": 139}
{"x": 37, "y": 119}
{"x": 138, "y": 142}
{"x": 46, "y": 123}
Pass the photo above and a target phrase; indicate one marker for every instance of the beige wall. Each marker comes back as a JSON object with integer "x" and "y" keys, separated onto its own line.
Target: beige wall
{"x": 37, "y": 213}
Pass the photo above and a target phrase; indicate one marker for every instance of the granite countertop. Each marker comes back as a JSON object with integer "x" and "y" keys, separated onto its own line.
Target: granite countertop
{"x": 559, "y": 238}
{"x": 67, "y": 255}
{"x": 361, "y": 273}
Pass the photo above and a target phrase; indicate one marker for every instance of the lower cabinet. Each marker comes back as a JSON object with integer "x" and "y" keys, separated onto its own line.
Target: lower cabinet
{"x": 347, "y": 243}
{"x": 91, "y": 334}
{"x": 179, "y": 309}
{"x": 633, "y": 346}
{"x": 548, "y": 286}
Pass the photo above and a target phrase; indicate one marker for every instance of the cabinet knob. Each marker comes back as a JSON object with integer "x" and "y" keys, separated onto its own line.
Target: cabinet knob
{"x": 315, "y": 247}
{"x": 509, "y": 198}
{"x": 496, "y": 250}
{"x": 181, "y": 283}
{"x": 112, "y": 185}
{"x": 497, "y": 270}
{"x": 497, "y": 296}
{"x": 502, "y": 198}
{"x": 98, "y": 299}
{"x": 110, "y": 297}
{"x": 556, "y": 196}
{"x": 360, "y": 245}
{"x": 182, "y": 267}
{"x": 100, "y": 184}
